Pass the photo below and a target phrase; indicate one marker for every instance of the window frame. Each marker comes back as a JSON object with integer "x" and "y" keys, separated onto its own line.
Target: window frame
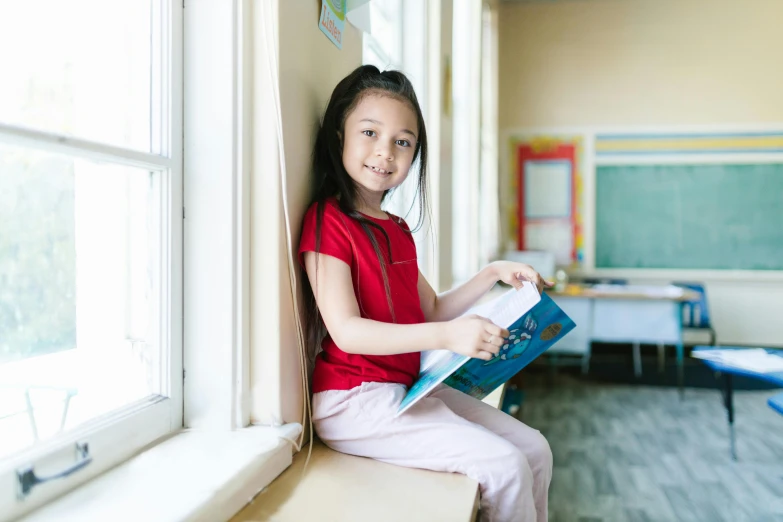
{"x": 115, "y": 437}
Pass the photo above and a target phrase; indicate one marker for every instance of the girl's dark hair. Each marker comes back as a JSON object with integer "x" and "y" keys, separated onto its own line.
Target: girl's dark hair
{"x": 332, "y": 180}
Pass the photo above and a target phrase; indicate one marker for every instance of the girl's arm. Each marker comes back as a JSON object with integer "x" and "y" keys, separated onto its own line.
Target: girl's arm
{"x": 472, "y": 336}
{"x": 457, "y": 301}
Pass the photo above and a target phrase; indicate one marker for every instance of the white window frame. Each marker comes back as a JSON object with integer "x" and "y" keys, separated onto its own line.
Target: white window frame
{"x": 400, "y": 31}
{"x": 115, "y": 437}
{"x": 467, "y": 138}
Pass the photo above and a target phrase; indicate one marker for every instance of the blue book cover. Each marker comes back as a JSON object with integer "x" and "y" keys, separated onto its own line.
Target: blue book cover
{"x": 534, "y": 323}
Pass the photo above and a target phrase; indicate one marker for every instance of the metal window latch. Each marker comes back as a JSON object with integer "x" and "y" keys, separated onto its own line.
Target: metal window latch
{"x": 27, "y": 479}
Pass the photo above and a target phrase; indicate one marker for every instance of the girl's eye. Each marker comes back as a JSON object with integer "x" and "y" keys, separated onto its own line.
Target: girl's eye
{"x": 403, "y": 143}
{"x": 369, "y": 133}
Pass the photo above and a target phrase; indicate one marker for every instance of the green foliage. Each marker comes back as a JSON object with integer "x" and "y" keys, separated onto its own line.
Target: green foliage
{"x": 37, "y": 255}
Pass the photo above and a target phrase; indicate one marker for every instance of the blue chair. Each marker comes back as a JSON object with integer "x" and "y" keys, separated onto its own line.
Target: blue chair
{"x": 696, "y": 313}
{"x": 776, "y": 403}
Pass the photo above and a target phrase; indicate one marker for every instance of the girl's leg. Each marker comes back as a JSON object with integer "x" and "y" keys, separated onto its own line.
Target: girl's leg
{"x": 430, "y": 436}
{"x": 528, "y": 440}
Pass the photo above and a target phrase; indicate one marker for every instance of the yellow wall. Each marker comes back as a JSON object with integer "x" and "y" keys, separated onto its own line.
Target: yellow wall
{"x": 649, "y": 62}
{"x": 310, "y": 66}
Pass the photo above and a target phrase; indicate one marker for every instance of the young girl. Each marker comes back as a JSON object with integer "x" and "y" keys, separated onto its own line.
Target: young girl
{"x": 380, "y": 312}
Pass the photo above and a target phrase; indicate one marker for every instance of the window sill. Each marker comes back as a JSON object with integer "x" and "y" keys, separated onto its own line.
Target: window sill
{"x": 190, "y": 476}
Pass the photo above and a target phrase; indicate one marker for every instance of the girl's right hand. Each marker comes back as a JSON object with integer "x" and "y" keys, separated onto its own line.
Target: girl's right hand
{"x": 474, "y": 336}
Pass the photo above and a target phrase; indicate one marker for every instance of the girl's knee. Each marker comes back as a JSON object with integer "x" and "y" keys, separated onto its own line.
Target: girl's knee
{"x": 516, "y": 464}
{"x": 540, "y": 457}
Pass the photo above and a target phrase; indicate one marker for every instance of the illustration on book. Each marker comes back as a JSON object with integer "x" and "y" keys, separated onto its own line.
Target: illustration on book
{"x": 534, "y": 322}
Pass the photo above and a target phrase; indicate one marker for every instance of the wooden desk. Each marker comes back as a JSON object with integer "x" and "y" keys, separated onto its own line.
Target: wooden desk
{"x": 624, "y": 314}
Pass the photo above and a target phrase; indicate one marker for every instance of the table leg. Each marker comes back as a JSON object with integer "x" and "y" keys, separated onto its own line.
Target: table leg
{"x": 680, "y": 370}
{"x": 728, "y": 401}
{"x": 637, "y": 360}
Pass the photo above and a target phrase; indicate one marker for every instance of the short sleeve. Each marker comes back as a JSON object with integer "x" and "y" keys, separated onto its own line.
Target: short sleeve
{"x": 335, "y": 236}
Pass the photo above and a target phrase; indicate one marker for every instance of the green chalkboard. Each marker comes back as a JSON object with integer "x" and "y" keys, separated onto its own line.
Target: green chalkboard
{"x": 689, "y": 216}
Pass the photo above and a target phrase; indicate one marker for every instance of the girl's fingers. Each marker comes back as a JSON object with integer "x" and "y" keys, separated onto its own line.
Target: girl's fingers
{"x": 493, "y": 329}
{"x": 497, "y": 340}
{"x": 484, "y": 355}
{"x": 491, "y": 348}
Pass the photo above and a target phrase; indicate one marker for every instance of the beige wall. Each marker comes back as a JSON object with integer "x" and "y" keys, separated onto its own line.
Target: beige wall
{"x": 653, "y": 62}
{"x": 641, "y": 62}
{"x": 310, "y": 66}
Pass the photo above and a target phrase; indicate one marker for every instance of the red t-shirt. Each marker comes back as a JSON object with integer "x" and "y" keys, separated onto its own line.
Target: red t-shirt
{"x": 343, "y": 238}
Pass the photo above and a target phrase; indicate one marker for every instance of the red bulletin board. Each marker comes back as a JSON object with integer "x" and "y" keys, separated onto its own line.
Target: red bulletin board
{"x": 542, "y": 151}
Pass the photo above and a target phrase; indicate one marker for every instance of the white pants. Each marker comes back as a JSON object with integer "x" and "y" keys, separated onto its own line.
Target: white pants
{"x": 446, "y": 431}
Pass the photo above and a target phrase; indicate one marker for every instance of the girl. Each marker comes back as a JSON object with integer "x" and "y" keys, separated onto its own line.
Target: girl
{"x": 380, "y": 313}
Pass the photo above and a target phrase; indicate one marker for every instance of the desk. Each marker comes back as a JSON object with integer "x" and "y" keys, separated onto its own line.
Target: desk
{"x": 627, "y": 314}
{"x": 728, "y": 388}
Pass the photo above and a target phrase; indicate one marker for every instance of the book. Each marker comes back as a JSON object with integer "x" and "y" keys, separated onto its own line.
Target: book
{"x": 534, "y": 322}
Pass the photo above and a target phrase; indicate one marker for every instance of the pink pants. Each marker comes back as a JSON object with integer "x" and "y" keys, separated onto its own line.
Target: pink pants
{"x": 446, "y": 431}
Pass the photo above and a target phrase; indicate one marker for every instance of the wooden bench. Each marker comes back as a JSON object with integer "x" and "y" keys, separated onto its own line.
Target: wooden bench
{"x": 343, "y": 488}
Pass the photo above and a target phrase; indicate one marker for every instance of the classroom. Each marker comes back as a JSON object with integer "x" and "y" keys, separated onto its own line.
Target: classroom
{"x": 158, "y": 163}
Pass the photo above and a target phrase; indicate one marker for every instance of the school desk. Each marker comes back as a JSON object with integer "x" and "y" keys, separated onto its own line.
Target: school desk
{"x": 726, "y": 372}
{"x": 632, "y": 314}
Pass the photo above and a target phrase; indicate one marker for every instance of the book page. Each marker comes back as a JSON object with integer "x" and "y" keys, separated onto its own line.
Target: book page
{"x": 506, "y": 309}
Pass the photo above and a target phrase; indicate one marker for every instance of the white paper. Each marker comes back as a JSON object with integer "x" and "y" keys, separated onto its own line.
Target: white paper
{"x": 753, "y": 359}
{"x": 547, "y": 189}
{"x": 670, "y": 291}
{"x": 556, "y": 238}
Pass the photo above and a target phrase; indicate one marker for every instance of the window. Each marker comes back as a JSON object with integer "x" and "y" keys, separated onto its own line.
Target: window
{"x": 90, "y": 236}
{"x": 387, "y": 47}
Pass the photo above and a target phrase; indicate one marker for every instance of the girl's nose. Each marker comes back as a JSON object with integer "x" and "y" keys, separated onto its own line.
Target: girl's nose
{"x": 384, "y": 151}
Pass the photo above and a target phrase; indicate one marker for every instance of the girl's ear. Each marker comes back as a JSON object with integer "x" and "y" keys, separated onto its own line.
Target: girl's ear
{"x": 340, "y": 137}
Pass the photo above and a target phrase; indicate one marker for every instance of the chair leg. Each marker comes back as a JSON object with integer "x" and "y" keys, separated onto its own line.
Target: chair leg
{"x": 680, "y": 370}
{"x": 585, "y": 363}
{"x": 637, "y": 360}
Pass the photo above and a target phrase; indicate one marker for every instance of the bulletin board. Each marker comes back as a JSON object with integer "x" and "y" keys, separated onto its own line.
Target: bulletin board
{"x": 547, "y": 182}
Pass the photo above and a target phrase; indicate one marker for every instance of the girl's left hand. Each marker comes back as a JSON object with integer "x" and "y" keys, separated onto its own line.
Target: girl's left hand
{"x": 515, "y": 273}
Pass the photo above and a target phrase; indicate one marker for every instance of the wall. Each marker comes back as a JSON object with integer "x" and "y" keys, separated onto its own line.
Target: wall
{"x": 309, "y": 68}
{"x": 605, "y": 62}
{"x": 653, "y": 63}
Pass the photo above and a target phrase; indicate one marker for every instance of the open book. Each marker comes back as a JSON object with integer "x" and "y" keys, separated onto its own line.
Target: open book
{"x": 535, "y": 323}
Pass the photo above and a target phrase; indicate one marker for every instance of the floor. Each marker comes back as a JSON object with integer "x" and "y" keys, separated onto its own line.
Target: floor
{"x": 636, "y": 453}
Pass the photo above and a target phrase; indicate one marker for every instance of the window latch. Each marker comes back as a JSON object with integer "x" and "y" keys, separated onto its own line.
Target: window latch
{"x": 27, "y": 479}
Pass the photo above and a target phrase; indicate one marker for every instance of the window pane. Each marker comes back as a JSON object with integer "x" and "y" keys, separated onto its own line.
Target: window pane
{"x": 78, "y": 67}
{"x": 78, "y": 287}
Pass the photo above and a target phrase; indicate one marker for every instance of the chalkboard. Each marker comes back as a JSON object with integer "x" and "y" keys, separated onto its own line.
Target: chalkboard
{"x": 689, "y": 216}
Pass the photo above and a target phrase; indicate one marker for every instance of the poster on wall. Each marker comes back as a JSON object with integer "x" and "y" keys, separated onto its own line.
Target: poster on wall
{"x": 546, "y": 181}
{"x": 332, "y": 22}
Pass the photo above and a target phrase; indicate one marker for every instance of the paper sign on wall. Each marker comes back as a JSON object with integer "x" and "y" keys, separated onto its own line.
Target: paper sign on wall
{"x": 332, "y": 22}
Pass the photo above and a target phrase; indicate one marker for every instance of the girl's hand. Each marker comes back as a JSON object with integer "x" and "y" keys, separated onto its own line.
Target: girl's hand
{"x": 474, "y": 336}
{"x": 515, "y": 273}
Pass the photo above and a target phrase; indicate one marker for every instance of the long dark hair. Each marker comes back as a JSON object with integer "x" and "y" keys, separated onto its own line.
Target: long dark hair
{"x": 332, "y": 180}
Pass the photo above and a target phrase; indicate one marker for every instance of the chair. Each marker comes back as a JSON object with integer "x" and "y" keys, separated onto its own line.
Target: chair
{"x": 776, "y": 403}
{"x": 696, "y": 314}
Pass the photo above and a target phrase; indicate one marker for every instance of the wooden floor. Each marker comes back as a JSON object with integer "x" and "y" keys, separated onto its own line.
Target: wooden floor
{"x": 636, "y": 453}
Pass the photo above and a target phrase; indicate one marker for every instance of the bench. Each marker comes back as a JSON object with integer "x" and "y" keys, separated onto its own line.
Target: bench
{"x": 345, "y": 488}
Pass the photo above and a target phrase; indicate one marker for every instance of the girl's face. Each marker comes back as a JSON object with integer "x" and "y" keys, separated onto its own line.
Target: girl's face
{"x": 378, "y": 145}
